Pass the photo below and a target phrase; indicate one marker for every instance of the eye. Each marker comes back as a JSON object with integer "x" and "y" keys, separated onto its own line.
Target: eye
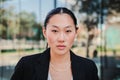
{"x": 54, "y": 31}
{"x": 68, "y": 31}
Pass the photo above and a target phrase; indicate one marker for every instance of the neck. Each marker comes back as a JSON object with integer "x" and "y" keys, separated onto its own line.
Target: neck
{"x": 59, "y": 59}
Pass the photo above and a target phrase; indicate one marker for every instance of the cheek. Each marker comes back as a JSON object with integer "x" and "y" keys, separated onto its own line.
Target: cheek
{"x": 51, "y": 39}
{"x": 71, "y": 39}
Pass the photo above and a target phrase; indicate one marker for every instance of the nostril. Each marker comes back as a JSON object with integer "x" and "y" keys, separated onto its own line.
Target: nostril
{"x": 61, "y": 37}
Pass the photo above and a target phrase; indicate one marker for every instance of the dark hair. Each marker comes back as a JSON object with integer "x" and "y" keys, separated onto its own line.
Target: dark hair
{"x": 60, "y": 10}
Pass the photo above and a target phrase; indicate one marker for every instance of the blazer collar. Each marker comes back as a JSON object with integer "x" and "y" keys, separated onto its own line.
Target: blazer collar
{"x": 42, "y": 68}
{"x": 77, "y": 67}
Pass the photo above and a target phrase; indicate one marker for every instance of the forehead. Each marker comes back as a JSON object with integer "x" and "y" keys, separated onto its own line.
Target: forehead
{"x": 61, "y": 20}
{"x": 61, "y": 27}
{"x": 65, "y": 15}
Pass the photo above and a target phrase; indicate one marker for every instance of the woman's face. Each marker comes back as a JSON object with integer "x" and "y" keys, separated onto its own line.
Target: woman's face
{"x": 60, "y": 33}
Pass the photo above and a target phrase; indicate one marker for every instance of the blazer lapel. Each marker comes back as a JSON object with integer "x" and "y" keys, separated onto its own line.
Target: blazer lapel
{"x": 77, "y": 68}
{"x": 42, "y": 66}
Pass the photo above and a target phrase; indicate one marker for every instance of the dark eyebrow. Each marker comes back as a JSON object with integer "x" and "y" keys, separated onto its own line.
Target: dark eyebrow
{"x": 65, "y": 26}
{"x": 68, "y": 26}
{"x": 55, "y": 26}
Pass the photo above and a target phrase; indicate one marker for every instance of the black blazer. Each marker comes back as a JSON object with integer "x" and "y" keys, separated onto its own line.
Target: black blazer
{"x": 36, "y": 67}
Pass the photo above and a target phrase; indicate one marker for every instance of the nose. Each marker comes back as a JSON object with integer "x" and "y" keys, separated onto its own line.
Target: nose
{"x": 61, "y": 37}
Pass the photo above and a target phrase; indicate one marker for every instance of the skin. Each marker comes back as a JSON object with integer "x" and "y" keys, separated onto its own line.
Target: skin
{"x": 60, "y": 33}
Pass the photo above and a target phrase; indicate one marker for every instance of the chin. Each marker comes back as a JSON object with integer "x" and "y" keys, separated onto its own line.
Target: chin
{"x": 62, "y": 52}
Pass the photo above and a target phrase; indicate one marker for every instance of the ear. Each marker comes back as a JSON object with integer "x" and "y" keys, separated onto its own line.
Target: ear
{"x": 44, "y": 31}
{"x": 77, "y": 31}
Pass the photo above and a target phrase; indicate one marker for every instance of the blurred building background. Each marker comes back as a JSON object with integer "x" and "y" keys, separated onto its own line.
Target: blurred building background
{"x": 98, "y": 39}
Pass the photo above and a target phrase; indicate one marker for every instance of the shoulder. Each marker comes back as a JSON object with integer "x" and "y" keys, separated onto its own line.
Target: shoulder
{"x": 26, "y": 61}
{"x": 85, "y": 65}
{"x": 36, "y": 57}
{"x": 33, "y": 59}
{"x": 30, "y": 58}
{"x": 82, "y": 61}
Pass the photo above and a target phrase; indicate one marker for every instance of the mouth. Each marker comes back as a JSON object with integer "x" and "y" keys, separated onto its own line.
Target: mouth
{"x": 61, "y": 47}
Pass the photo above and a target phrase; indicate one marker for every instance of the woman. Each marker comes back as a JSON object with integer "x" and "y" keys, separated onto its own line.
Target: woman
{"x": 57, "y": 62}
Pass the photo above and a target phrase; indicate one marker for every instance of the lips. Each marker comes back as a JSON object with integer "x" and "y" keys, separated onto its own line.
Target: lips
{"x": 61, "y": 47}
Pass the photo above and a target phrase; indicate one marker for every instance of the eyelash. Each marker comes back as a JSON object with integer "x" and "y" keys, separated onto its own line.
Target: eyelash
{"x": 68, "y": 31}
{"x": 54, "y": 31}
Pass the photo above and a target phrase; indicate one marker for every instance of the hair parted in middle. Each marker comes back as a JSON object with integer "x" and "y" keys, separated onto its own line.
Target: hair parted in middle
{"x": 60, "y": 10}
